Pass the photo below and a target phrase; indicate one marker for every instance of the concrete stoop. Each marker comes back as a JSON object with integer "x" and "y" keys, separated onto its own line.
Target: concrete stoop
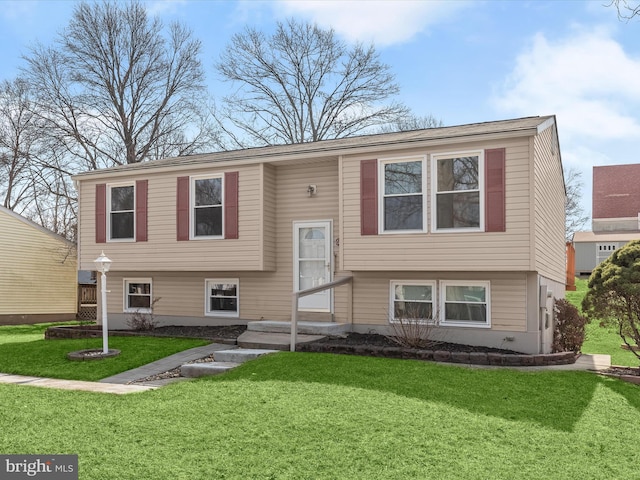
{"x": 305, "y": 328}
{"x": 273, "y": 341}
{"x": 277, "y": 335}
{"x": 224, "y": 360}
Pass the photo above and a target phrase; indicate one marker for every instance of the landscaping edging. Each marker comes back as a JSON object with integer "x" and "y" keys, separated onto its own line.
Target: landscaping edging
{"x": 473, "y": 358}
{"x": 95, "y": 331}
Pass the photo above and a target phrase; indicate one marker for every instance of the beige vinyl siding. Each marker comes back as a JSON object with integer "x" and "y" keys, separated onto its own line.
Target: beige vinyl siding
{"x": 38, "y": 273}
{"x": 549, "y": 207}
{"x": 508, "y": 296}
{"x": 462, "y": 251}
{"x": 265, "y": 294}
{"x": 162, "y": 251}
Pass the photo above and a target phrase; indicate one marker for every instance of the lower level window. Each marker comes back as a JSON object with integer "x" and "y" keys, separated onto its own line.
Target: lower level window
{"x": 465, "y": 303}
{"x": 222, "y": 298}
{"x": 412, "y": 301}
{"x": 137, "y": 295}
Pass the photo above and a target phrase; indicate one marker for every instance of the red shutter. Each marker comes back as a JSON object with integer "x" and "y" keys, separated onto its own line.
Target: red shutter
{"x": 141, "y": 210}
{"x": 369, "y": 197}
{"x": 231, "y": 205}
{"x": 101, "y": 213}
{"x": 494, "y": 165}
{"x": 182, "y": 209}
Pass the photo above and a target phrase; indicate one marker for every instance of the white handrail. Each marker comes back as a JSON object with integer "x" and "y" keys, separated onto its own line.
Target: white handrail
{"x": 303, "y": 293}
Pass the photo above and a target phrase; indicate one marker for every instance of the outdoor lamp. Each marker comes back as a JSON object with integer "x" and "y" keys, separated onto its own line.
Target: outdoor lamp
{"x": 103, "y": 263}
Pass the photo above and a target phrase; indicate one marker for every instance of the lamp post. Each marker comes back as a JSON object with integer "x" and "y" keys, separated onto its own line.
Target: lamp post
{"x": 102, "y": 265}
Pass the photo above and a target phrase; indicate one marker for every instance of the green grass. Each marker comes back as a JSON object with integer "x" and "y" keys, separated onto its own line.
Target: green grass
{"x": 316, "y": 416}
{"x": 27, "y": 333}
{"x": 599, "y": 339}
{"x": 24, "y": 352}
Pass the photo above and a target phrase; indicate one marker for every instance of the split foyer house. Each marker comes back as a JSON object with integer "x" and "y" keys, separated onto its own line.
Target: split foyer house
{"x": 38, "y": 272}
{"x": 463, "y": 224}
{"x": 615, "y": 215}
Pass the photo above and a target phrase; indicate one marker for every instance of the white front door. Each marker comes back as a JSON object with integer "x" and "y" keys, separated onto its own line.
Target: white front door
{"x": 312, "y": 263}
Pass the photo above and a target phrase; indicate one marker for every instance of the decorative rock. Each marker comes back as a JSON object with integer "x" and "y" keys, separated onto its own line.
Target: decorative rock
{"x": 92, "y": 354}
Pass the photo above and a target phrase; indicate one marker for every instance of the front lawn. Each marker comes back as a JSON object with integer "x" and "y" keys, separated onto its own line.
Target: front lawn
{"x": 301, "y": 415}
{"x": 601, "y": 340}
{"x": 27, "y": 333}
{"x": 47, "y": 358}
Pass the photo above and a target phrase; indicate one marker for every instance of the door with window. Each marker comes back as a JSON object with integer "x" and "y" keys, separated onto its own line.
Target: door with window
{"x": 312, "y": 263}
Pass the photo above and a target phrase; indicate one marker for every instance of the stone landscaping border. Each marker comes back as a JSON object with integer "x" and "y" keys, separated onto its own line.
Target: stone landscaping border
{"x": 95, "y": 331}
{"x": 473, "y": 358}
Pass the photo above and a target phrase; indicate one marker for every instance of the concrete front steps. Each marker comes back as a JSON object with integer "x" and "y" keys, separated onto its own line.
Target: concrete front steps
{"x": 224, "y": 360}
{"x": 277, "y": 335}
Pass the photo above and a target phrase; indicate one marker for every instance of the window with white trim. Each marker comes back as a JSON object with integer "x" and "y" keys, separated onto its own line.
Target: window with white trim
{"x": 458, "y": 183}
{"x": 465, "y": 303}
{"x": 222, "y": 297}
{"x": 207, "y": 207}
{"x": 411, "y": 300}
{"x": 121, "y": 212}
{"x": 402, "y": 199}
{"x": 137, "y": 295}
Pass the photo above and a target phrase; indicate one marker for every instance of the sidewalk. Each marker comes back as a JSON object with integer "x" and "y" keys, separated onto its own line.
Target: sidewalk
{"x": 118, "y": 383}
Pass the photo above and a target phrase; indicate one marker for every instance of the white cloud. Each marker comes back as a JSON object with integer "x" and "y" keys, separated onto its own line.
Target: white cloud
{"x": 15, "y": 9}
{"x": 159, "y": 7}
{"x": 383, "y": 22}
{"x": 587, "y": 80}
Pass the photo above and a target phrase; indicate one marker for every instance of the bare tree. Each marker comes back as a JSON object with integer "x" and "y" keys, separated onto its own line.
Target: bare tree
{"x": 302, "y": 84}
{"x": 18, "y": 139}
{"x": 117, "y": 87}
{"x": 411, "y": 122}
{"x": 575, "y": 217}
{"x": 626, "y": 9}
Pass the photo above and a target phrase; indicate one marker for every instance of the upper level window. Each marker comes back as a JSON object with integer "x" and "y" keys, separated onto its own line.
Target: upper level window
{"x": 402, "y": 195}
{"x": 458, "y": 184}
{"x": 206, "y": 215}
{"x": 121, "y": 212}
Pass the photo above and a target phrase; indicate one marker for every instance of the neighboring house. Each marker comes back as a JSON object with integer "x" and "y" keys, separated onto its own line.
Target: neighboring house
{"x": 38, "y": 272}
{"x": 465, "y": 222}
{"x": 615, "y": 213}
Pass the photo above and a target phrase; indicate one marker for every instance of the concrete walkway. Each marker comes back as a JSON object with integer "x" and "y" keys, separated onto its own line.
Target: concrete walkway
{"x": 73, "y": 384}
{"x": 165, "y": 364}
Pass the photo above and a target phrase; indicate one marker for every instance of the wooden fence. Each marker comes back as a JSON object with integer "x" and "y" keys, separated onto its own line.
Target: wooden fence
{"x": 87, "y": 302}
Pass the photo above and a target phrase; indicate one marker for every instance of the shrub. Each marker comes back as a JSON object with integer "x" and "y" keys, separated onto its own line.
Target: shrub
{"x": 569, "y": 330}
{"x": 613, "y": 294}
{"x": 143, "y": 321}
{"x": 411, "y": 330}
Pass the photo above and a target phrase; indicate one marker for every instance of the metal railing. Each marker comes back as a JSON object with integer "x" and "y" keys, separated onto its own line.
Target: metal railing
{"x": 310, "y": 291}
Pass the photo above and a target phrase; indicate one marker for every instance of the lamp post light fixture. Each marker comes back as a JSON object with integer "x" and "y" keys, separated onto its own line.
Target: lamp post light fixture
{"x": 103, "y": 263}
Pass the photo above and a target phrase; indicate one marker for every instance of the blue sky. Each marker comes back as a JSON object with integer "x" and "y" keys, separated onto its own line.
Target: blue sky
{"x": 460, "y": 61}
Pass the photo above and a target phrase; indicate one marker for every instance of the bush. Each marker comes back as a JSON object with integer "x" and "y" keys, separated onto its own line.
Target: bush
{"x": 569, "y": 330}
{"x": 411, "y": 330}
{"x": 143, "y": 321}
{"x": 613, "y": 294}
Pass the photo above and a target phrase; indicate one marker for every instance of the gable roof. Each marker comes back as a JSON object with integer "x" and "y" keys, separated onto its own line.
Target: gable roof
{"x": 31, "y": 224}
{"x": 616, "y": 191}
{"x": 343, "y": 146}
